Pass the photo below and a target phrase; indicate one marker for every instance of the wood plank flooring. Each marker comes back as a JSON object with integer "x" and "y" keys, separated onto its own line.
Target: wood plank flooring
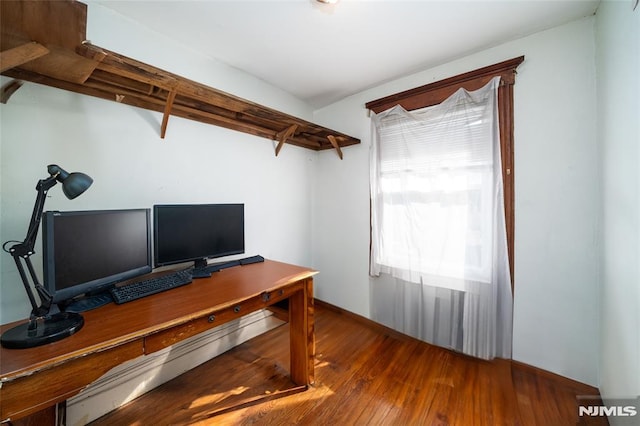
{"x": 365, "y": 375}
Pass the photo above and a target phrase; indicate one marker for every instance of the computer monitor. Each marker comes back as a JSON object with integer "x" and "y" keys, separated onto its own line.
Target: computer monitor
{"x": 196, "y": 232}
{"x": 86, "y": 252}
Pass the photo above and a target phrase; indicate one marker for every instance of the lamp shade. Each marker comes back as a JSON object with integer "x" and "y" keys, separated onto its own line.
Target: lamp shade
{"x": 73, "y": 184}
{"x": 76, "y": 184}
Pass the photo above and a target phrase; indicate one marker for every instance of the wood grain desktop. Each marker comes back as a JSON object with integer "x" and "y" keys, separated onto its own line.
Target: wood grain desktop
{"x": 36, "y": 379}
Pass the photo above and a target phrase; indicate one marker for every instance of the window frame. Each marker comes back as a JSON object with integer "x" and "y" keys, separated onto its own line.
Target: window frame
{"x": 435, "y": 93}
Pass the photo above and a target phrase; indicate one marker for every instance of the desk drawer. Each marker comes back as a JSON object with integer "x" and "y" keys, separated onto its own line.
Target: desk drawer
{"x": 163, "y": 339}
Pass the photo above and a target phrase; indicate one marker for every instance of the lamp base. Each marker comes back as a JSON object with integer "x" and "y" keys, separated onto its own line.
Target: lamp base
{"x": 47, "y": 330}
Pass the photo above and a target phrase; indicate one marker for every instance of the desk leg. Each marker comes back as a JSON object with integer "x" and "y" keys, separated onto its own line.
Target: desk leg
{"x": 302, "y": 337}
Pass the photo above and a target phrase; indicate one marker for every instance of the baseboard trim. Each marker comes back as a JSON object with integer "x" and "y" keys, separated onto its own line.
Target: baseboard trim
{"x": 369, "y": 323}
{"x": 578, "y": 387}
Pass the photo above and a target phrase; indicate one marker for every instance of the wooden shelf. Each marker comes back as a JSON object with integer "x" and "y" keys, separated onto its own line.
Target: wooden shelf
{"x": 36, "y": 47}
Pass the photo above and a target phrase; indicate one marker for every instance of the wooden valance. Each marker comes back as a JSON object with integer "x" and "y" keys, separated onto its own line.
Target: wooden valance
{"x": 434, "y": 93}
{"x": 44, "y": 42}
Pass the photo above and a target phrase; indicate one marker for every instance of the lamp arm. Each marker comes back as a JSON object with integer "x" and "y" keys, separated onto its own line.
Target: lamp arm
{"x": 43, "y": 186}
{"x": 24, "y": 250}
{"x": 37, "y": 311}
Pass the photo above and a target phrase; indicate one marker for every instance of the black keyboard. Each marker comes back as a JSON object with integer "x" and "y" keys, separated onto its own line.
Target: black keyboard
{"x": 137, "y": 290}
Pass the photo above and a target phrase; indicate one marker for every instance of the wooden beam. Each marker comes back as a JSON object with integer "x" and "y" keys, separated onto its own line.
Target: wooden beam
{"x": 50, "y": 23}
{"x": 9, "y": 89}
{"x": 22, "y": 54}
{"x": 167, "y": 112}
{"x": 284, "y": 135}
{"x": 334, "y": 142}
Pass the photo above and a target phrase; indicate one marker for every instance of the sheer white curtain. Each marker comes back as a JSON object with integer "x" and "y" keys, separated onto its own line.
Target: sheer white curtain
{"x": 438, "y": 228}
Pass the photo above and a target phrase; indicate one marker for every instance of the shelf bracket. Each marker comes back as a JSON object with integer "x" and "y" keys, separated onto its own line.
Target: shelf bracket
{"x": 167, "y": 111}
{"x": 334, "y": 142}
{"x": 282, "y": 136}
{"x": 9, "y": 89}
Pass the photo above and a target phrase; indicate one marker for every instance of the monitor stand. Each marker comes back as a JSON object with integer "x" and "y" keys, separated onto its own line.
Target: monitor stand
{"x": 200, "y": 269}
{"x": 200, "y": 273}
{"x": 87, "y": 302}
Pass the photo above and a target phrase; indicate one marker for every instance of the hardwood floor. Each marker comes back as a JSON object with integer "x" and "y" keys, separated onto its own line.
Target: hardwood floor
{"x": 365, "y": 375}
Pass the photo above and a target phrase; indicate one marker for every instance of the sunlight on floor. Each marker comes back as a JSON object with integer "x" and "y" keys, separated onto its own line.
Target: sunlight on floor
{"x": 258, "y": 408}
{"x": 215, "y": 398}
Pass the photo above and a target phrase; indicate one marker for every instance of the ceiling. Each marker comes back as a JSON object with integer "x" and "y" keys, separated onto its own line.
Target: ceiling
{"x": 322, "y": 53}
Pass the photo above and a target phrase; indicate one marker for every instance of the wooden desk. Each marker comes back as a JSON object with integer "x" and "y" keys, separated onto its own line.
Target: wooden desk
{"x": 36, "y": 379}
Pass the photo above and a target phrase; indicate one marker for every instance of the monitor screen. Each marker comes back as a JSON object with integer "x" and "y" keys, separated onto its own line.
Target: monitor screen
{"x": 195, "y": 232}
{"x": 88, "y": 251}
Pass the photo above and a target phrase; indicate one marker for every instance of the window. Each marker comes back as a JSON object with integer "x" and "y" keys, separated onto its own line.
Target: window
{"x": 432, "y": 94}
{"x": 437, "y": 190}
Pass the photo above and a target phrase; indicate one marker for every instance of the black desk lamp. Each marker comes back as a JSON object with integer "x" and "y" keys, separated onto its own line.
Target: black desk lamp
{"x": 42, "y": 327}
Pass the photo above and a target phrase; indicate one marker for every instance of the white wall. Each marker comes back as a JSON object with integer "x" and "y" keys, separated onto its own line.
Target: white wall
{"x": 556, "y": 181}
{"x": 120, "y": 147}
{"x": 618, "y": 70}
